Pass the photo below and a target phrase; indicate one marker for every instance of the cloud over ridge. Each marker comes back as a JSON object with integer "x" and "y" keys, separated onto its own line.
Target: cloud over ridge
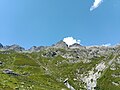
{"x": 70, "y": 41}
{"x": 96, "y": 4}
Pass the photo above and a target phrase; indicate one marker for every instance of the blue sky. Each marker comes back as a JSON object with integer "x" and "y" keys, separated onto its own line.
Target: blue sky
{"x": 45, "y": 22}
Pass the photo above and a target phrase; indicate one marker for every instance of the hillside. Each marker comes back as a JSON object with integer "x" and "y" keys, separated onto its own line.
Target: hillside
{"x": 59, "y": 67}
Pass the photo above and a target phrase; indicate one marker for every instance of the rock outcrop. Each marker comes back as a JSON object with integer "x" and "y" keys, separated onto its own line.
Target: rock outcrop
{"x": 76, "y": 45}
{"x": 1, "y": 46}
{"x": 60, "y": 44}
{"x": 35, "y": 48}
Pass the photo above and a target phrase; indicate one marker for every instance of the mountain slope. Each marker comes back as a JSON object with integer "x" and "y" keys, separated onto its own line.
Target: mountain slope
{"x": 60, "y": 67}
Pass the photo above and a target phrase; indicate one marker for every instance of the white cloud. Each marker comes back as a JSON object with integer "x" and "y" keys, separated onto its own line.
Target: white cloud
{"x": 96, "y": 4}
{"x": 70, "y": 41}
{"x": 106, "y": 45}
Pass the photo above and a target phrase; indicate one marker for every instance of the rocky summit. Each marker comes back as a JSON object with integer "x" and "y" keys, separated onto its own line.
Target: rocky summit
{"x": 60, "y": 67}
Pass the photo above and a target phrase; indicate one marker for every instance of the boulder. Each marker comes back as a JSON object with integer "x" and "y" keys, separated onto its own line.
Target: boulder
{"x": 8, "y": 71}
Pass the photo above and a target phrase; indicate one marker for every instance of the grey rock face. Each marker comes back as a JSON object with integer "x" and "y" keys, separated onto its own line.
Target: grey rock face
{"x": 50, "y": 54}
{"x": 35, "y": 48}
{"x": 76, "y": 45}
{"x": 14, "y": 47}
{"x": 91, "y": 78}
{"x": 60, "y": 44}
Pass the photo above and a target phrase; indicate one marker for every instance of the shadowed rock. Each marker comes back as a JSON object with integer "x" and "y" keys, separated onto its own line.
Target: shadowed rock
{"x": 1, "y": 63}
{"x": 8, "y": 71}
{"x": 1, "y": 46}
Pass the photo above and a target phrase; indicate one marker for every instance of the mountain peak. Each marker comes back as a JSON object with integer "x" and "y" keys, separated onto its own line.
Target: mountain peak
{"x": 60, "y": 44}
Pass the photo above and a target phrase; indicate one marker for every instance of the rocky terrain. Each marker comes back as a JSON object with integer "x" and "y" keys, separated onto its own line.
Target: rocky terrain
{"x": 60, "y": 67}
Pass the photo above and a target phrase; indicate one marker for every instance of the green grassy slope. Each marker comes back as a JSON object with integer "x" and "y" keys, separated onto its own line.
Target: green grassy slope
{"x": 38, "y": 72}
